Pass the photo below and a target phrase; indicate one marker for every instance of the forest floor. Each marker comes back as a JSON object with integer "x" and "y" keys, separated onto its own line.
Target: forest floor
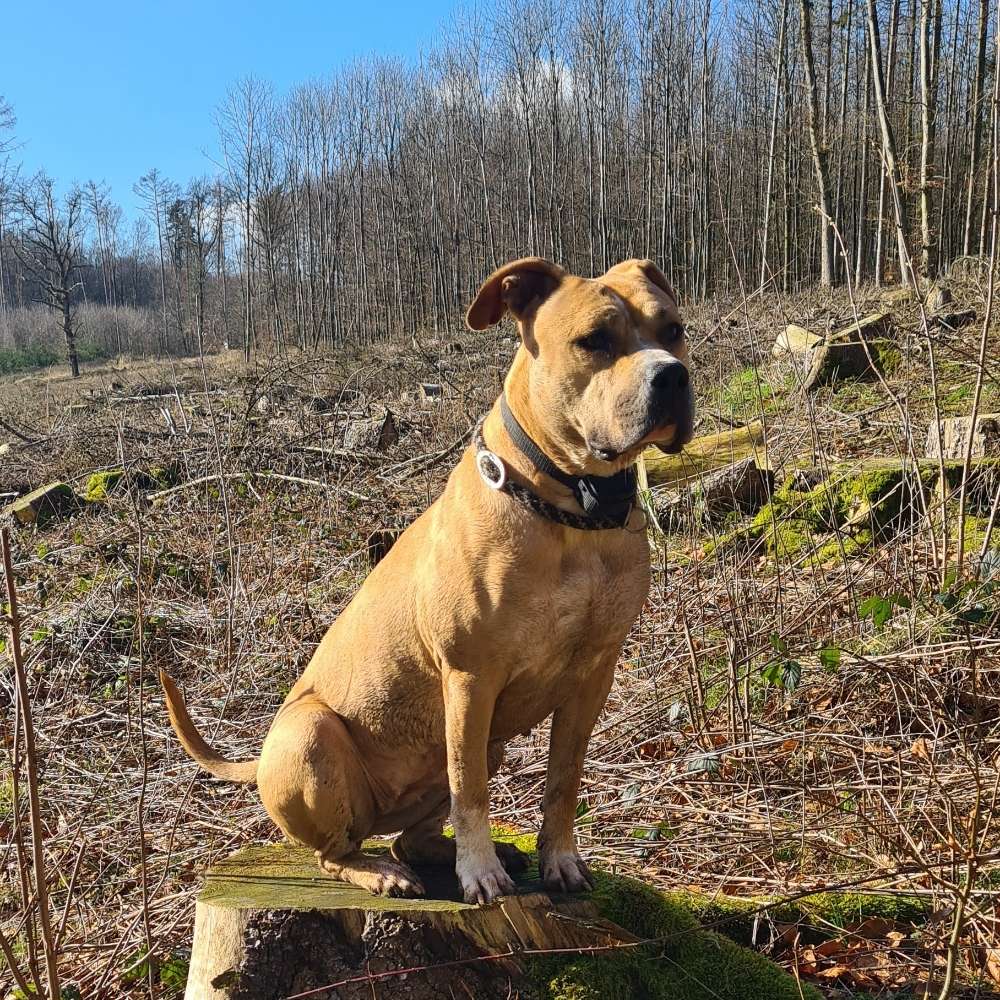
{"x": 780, "y": 725}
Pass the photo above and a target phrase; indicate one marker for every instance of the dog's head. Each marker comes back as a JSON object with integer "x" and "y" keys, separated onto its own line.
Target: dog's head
{"x": 603, "y": 366}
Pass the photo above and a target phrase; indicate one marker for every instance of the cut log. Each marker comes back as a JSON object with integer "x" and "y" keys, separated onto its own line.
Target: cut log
{"x": 372, "y": 434}
{"x": 269, "y": 925}
{"x": 743, "y": 486}
{"x": 899, "y": 296}
{"x": 706, "y": 454}
{"x": 955, "y": 320}
{"x": 854, "y": 352}
{"x": 794, "y": 340}
{"x": 47, "y": 503}
{"x": 339, "y": 399}
{"x": 955, "y": 437}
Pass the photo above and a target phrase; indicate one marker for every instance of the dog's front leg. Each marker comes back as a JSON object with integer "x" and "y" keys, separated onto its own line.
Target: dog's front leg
{"x": 559, "y": 863}
{"x": 469, "y": 703}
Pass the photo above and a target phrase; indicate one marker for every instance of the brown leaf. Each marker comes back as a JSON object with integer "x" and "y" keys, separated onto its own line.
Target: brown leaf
{"x": 992, "y": 964}
{"x": 921, "y": 749}
{"x": 873, "y": 927}
{"x": 830, "y": 948}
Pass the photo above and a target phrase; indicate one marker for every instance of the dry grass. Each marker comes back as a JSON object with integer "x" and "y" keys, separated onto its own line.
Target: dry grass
{"x": 878, "y": 774}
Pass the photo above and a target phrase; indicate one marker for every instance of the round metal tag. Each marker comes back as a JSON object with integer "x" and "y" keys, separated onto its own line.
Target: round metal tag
{"x": 491, "y": 468}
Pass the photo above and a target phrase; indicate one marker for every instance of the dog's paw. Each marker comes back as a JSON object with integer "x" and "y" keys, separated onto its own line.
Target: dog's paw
{"x": 484, "y": 882}
{"x": 397, "y": 880}
{"x": 564, "y": 871}
{"x": 379, "y": 876}
{"x": 511, "y": 857}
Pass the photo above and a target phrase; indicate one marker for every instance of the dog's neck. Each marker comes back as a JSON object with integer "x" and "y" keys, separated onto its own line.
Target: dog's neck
{"x": 541, "y": 460}
{"x": 520, "y": 467}
{"x": 564, "y": 447}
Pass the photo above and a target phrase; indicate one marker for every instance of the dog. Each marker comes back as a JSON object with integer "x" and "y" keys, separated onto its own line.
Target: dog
{"x": 497, "y": 608}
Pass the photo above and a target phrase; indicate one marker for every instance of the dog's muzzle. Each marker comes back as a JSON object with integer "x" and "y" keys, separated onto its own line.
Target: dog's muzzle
{"x": 671, "y": 401}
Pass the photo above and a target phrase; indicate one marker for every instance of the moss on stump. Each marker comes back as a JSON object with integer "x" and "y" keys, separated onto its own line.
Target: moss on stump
{"x": 857, "y": 507}
{"x": 269, "y": 924}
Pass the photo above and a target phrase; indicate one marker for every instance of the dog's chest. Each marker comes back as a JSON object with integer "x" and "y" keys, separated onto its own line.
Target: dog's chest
{"x": 579, "y": 617}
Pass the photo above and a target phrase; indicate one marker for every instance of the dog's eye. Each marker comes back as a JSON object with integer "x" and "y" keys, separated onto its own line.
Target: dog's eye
{"x": 598, "y": 342}
{"x": 673, "y": 332}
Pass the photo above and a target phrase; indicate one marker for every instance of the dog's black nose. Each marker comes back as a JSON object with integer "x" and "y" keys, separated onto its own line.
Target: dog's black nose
{"x": 671, "y": 377}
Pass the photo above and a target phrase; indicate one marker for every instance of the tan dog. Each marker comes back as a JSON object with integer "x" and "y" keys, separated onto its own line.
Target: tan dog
{"x": 485, "y": 618}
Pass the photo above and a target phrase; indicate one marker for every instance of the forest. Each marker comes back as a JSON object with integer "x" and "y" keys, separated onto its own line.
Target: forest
{"x": 745, "y": 147}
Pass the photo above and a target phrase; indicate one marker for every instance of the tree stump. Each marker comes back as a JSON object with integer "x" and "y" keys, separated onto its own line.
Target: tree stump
{"x": 854, "y": 352}
{"x": 47, "y": 503}
{"x": 955, "y": 437}
{"x": 270, "y": 925}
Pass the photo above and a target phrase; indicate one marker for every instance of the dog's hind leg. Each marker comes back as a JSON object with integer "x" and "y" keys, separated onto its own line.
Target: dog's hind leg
{"x": 424, "y": 843}
{"x": 314, "y": 787}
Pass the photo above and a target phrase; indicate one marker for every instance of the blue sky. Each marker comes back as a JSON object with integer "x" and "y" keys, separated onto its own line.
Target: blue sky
{"x": 107, "y": 90}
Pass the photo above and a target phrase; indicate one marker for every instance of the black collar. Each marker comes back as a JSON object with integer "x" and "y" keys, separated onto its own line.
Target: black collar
{"x": 607, "y": 501}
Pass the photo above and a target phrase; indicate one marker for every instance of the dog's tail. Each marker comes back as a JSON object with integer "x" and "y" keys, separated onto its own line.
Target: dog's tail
{"x": 212, "y": 761}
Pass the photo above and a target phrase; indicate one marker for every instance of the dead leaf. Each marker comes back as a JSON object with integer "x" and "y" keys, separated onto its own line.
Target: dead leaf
{"x": 992, "y": 964}
{"x": 873, "y": 927}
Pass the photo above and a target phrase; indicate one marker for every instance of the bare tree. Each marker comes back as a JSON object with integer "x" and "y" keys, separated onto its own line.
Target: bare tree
{"x": 817, "y": 144}
{"x": 155, "y": 192}
{"x": 889, "y": 154}
{"x": 48, "y": 247}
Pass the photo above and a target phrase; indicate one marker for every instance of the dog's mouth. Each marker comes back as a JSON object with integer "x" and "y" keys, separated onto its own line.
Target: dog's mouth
{"x": 668, "y": 427}
{"x": 669, "y": 438}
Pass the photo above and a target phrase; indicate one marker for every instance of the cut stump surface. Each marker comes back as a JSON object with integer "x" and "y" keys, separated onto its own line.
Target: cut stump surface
{"x": 269, "y": 925}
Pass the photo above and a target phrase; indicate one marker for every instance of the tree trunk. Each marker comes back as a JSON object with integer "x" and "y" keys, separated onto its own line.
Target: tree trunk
{"x": 70, "y": 333}
{"x": 889, "y": 147}
{"x": 819, "y": 152}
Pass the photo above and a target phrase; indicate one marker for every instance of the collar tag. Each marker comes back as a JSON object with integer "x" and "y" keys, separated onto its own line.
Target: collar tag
{"x": 491, "y": 469}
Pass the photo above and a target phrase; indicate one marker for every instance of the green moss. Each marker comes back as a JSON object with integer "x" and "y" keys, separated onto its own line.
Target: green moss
{"x": 865, "y": 506}
{"x": 736, "y": 917}
{"x": 887, "y": 355}
{"x": 161, "y": 476}
{"x": 684, "y": 962}
{"x": 101, "y": 484}
{"x": 745, "y": 394}
{"x": 854, "y": 545}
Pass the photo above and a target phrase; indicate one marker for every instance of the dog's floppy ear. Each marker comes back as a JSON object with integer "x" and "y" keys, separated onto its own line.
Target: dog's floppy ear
{"x": 652, "y": 272}
{"x": 658, "y": 278}
{"x": 520, "y": 286}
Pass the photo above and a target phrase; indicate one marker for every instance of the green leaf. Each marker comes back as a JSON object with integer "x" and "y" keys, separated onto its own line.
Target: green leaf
{"x": 707, "y": 763}
{"x": 582, "y": 808}
{"x": 645, "y": 833}
{"x": 772, "y": 674}
{"x": 778, "y": 644}
{"x": 791, "y": 674}
{"x": 829, "y": 659}
{"x": 173, "y": 972}
{"x": 879, "y": 609}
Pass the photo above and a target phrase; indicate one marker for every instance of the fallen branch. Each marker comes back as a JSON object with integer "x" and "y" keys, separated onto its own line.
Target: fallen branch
{"x": 215, "y": 477}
